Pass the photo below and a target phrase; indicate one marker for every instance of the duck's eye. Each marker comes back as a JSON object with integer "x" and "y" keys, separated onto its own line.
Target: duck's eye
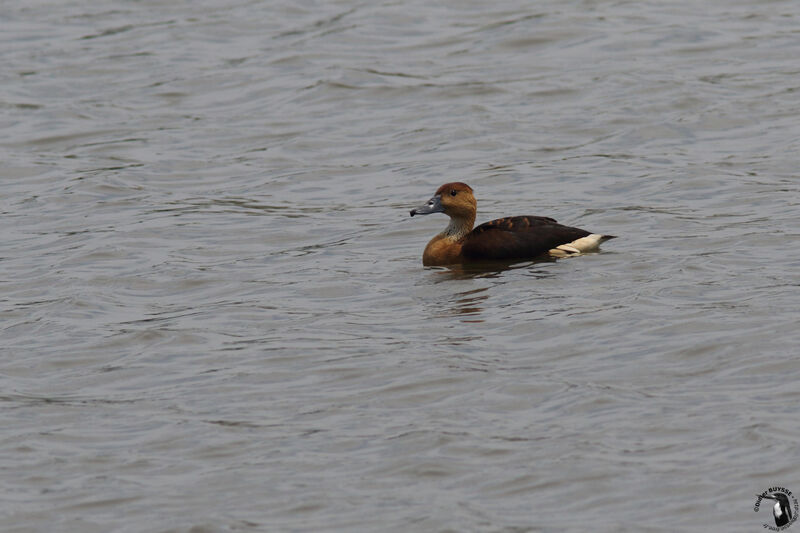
{"x": 453, "y": 192}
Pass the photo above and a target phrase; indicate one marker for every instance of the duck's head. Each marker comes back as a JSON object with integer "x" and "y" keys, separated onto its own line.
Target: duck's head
{"x": 453, "y": 199}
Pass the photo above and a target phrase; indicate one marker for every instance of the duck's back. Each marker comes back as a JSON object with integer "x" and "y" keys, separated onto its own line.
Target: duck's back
{"x": 518, "y": 238}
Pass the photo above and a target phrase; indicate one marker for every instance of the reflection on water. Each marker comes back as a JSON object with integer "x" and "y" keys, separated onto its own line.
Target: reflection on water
{"x": 463, "y": 303}
{"x": 493, "y": 269}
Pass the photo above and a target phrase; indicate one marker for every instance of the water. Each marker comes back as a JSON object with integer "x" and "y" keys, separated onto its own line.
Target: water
{"x": 214, "y": 313}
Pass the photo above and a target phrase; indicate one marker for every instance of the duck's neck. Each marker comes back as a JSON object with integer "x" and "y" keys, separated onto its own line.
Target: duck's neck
{"x": 457, "y": 228}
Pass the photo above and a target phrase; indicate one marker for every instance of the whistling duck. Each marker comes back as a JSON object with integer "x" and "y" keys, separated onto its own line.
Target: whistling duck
{"x": 524, "y": 237}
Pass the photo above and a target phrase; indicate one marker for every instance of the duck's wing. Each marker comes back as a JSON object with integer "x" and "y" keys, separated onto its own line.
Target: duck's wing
{"x": 518, "y": 238}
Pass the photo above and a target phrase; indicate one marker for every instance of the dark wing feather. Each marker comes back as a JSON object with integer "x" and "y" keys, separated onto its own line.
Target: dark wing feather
{"x": 517, "y": 238}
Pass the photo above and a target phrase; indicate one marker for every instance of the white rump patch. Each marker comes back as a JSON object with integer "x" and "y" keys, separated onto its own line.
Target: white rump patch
{"x": 590, "y": 243}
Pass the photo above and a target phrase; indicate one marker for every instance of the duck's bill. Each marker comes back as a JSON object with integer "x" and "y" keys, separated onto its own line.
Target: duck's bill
{"x": 434, "y": 205}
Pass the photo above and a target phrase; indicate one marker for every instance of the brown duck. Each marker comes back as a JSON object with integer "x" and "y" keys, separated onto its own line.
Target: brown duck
{"x": 509, "y": 238}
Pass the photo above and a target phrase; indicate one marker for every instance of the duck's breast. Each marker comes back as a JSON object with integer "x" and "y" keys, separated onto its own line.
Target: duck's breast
{"x": 441, "y": 251}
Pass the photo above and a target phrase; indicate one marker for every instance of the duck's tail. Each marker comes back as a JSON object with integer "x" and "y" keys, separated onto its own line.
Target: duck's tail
{"x": 590, "y": 243}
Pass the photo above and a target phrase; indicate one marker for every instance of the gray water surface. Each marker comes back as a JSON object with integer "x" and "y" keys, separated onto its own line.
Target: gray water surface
{"x": 214, "y": 315}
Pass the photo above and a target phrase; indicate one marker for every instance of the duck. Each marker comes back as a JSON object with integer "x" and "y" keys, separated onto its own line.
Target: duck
{"x": 503, "y": 239}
